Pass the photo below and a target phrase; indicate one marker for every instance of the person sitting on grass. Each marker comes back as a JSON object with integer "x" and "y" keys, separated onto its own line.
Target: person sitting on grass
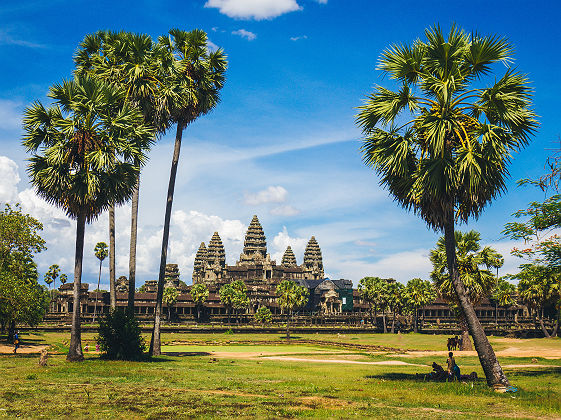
{"x": 453, "y": 369}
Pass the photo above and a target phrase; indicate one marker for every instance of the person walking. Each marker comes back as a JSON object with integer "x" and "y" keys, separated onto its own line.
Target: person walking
{"x": 16, "y": 342}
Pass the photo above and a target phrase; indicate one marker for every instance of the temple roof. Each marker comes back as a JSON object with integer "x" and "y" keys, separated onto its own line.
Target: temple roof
{"x": 255, "y": 241}
{"x": 200, "y": 258}
{"x": 215, "y": 251}
{"x": 312, "y": 255}
{"x": 289, "y": 259}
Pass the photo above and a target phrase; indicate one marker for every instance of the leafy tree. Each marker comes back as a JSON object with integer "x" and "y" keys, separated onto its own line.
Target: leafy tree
{"x": 170, "y": 298}
{"x": 193, "y": 80}
{"x": 48, "y": 279}
{"x": 131, "y": 62}
{"x": 100, "y": 252}
{"x": 263, "y": 315}
{"x": 442, "y": 142}
{"x": 289, "y": 297}
{"x": 22, "y": 299}
{"x": 227, "y": 295}
{"x": 474, "y": 268}
{"x": 396, "y": 300}
{"x": 418, "y": 293}
{"x": 77, "y": 145}
{"x": 234, "y": 296}
{"x": 53, "y": 272}
{"x": 199, "y": 294}
{"x": 503, "y": 295}
{"x": 119, "y": 336}
{"x": 63, "y": 278}
{"x": 539, "y": 286}
{"x": 375, "y": 292}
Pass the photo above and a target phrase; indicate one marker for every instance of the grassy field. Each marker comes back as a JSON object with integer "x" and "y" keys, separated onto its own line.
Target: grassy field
{"x": 225, "y": 375}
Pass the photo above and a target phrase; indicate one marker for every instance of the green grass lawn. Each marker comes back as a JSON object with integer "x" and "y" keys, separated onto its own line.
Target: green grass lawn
{"x": 201, "y": 385}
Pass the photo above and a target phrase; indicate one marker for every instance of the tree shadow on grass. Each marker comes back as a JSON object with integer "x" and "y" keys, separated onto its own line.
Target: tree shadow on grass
{"x": 186, "y": 353}
{"x": 396, "y": 376}
{"x": 529, "y": 372}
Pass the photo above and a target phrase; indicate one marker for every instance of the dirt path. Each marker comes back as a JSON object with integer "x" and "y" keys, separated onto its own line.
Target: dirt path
{"x": 24, "y": 349}
{"x": 508, "y": 352}
{"x": 356, "y": 362}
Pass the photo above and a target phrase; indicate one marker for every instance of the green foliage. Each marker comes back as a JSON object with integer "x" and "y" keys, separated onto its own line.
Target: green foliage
{"x": 419, "y": 292}
{"x": 119, "y": 336}
{"x": 199, "y": 293}
{"x": 63, "y": 278}
{"x": 52, "y": 274}
{"x": 263, "y": 315}
{"x": 538, "y": 285}
{"x": 291, "y": 296}
{"x": 69, "y": 169}
{"x": 22, "y": 299}
{"x": 100, "y": 251}
{"x": 170, "y": 296}
{"x": 234, "y": 295}
{"x": 450, "y": 157}
{"x": 474, "y": 265}
{"x": 504, "y": 293}
{"x": 375, "y": 291}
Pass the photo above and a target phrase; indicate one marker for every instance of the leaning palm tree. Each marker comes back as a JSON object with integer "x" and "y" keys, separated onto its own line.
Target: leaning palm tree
{"x": 442, "y": 142}
{"x": 100, "y": 252}
{"x": 76, "y": 146}
{"x": 194, "y": 79}
{"x": 131, "y": 62}
{"x": 474, "y": 268}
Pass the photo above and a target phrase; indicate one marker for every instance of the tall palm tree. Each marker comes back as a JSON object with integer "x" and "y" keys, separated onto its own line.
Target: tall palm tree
{"x": 418, "y": 293}
{"x": 289, "y": 297}
{"x": 131, "y": 62}
{"x": 53, "y": 272}
{"x": 100, "y": 252}
{"x": 77, "y": 144}
{"x": 194, "y": 79}
{"x": 474, "y": 269}
{"x": 442, "y": 142}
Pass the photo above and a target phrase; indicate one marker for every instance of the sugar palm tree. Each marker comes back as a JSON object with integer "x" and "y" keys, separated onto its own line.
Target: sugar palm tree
{"x": 100, "y": 252}
{"x": 53, "y": 272}
{"x": 418, "y": 293}
{"x": 76, "y": 146}
{"x": 199, "y": 294}
{"x": 131, "y": 62}
{"x": 194, "y": 79}
{"x": 474, "y": 268}
{"x": 441, "y": 142}
{"x": 291, "y": 296}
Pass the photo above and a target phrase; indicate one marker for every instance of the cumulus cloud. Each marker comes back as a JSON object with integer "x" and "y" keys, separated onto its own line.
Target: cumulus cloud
{"x": 284, "y": 211}
{"x": 254, "y": 9}
{"x": 212, "y": 47}
{"x": 282, "y": 240}
{"x": 272, "y": 194}
{"x": 250, "y": 36}
{"x": 9, "y": 179}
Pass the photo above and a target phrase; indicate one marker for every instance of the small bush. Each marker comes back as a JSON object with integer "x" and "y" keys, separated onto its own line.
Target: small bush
{"x": 120, "y": 336}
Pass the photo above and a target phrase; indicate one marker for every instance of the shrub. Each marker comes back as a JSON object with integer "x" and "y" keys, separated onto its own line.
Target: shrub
{"x": 120, "y": 336}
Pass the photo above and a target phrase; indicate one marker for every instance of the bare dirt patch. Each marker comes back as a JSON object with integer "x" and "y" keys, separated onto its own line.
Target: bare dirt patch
{"x": 546, "y": 353}
{"x": 23, "y": 349}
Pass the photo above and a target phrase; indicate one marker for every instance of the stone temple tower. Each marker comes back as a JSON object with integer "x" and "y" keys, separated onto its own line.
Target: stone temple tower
{"x": 289, "y": 259}
{"x": 255, "y": 244}
{"x": 215, "y": 259}
{"x": 199, "y": 265}
{"x": 313, "y": 264}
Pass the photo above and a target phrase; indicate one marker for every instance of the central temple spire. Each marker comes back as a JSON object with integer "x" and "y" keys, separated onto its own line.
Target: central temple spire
{"x": 255, "y": 243}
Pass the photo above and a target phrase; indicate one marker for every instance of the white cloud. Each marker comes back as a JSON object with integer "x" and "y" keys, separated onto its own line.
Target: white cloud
{"x": 322, "y": 1}
{"x": 282, "y": 240}
{"x": 250, "y": 36}
{"x": 7, "y": 39}
{"x": 9, "y": 179}
{"x": 298, "y": 38}
{"x": 272, "y": 194}
{"x": 284, "y": 211}
{"x": 254, "y": 9}
{"x": 212, "y": 47}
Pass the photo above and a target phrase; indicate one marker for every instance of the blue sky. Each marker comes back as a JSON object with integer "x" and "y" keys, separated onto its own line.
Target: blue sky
{"x": 282, "y": 144}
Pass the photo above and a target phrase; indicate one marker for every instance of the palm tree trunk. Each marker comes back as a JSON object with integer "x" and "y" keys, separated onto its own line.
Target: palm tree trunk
{"x": 112, "y": 296}
{"x": 97, "y": 290}
{"x": 288, "y": 326}
{"x": 491, "y": 367}
{"x": 393, "y": 322}
{"x": 466, "y": 341}
{"x": 75, "y": 350}
{"x": 415, "y": 328}
{"x": 384, "y": 321}
{"x": 132, "y": 249}
{"x": 155, "y": 343}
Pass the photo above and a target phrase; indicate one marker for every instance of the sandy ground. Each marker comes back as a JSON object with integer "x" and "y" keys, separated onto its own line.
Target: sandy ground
{"x": 508, "y": 352}
{"x": 23, "y": 349}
